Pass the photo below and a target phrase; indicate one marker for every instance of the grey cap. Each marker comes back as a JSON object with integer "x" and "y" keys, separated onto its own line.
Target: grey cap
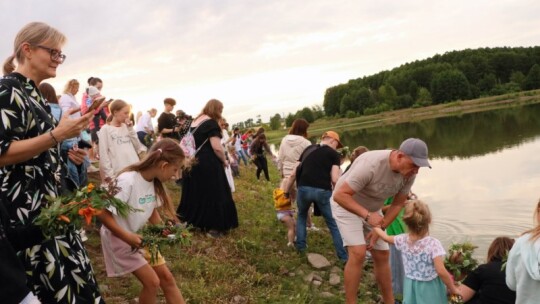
{"x": 417, "y": 150}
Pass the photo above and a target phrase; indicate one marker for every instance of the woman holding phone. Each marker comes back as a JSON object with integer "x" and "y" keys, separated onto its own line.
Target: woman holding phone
{"x": 58, "y": 270}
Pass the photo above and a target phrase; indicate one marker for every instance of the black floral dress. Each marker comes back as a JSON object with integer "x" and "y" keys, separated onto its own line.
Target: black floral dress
{"x": 58, "y": 270}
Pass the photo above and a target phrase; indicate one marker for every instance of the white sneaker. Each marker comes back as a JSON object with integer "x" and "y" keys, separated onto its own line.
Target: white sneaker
{"x": 290, "y": 244}
{"x": 313, "y": 228}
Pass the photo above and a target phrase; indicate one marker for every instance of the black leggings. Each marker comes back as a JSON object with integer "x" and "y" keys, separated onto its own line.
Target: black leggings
{"x": 262, "y": 165}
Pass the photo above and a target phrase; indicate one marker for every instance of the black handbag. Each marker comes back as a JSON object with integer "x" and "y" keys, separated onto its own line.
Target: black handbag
{"x": 64, "y": 183}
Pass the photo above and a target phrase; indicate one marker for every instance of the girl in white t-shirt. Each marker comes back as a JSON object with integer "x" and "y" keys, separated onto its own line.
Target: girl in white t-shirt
{"x": 119, "y": 146}
{"x": 141, "y": 186}
{"x": 423, "y": 258}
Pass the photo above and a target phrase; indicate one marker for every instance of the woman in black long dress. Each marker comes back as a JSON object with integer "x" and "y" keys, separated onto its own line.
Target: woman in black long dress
{"x": 206, "y": 201}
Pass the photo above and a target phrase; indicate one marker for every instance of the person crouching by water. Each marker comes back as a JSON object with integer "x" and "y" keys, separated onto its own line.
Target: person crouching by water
{"x": 486, "y": 284}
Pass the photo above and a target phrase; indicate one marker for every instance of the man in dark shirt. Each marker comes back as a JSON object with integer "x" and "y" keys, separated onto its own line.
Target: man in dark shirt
{"x": 319, "y": 173}
{"x": 167, "y": 124}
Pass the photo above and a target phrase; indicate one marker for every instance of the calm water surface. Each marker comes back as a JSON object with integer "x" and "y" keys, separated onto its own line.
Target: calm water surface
{"x": 485, "y": 179}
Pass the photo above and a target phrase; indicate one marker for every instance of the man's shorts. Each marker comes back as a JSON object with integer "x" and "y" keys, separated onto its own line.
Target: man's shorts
{"x": 354, "y": 229}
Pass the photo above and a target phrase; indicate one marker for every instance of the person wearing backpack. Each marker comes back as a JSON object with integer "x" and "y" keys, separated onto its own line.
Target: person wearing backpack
{"x": 206, "y": 202}
{"x": 316, "y": 175}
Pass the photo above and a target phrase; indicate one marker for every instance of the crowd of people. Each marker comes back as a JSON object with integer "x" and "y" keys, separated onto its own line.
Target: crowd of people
{"x": 369, "y": 208}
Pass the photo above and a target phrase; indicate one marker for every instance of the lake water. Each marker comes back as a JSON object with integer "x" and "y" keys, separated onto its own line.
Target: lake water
{"x": 485, "y": 180}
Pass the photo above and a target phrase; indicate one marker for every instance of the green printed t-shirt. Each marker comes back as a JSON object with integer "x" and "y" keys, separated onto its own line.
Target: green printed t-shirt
{"x": 397, "y": 226}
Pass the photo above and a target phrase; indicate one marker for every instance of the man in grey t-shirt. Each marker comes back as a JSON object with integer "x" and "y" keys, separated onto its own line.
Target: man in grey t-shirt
{"x": 356, "y": 206}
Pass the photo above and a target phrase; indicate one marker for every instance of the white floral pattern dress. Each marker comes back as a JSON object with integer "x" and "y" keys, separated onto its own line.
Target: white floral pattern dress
{"x": 422, "y": 283}
{"x": 58, "y": 270}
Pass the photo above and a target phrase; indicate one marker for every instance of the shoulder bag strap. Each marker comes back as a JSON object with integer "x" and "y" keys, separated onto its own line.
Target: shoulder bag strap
{"x": 195, "y": 130}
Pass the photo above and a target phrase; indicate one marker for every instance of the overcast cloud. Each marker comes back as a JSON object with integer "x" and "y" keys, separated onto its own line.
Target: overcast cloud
{"x": 258, "y": 57}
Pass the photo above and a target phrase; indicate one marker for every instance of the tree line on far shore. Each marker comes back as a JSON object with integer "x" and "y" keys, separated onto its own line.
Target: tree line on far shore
{"x": 456, "y": 75}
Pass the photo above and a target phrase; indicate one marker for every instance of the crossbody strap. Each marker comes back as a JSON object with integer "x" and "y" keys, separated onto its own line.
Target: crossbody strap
{"x": 195, "y": 130}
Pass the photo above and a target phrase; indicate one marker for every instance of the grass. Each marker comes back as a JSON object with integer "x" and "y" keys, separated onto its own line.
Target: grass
{"x": 252, "y": 264}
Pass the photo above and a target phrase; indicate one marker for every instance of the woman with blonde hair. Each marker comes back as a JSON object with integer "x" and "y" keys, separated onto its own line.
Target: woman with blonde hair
{"x": 206, "y": 201}
{"x": 58, "y": 270}
{"x": 523, "y": 264}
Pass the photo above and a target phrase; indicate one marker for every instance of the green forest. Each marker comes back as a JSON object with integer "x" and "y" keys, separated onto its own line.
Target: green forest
{"x": 456, "y": 75}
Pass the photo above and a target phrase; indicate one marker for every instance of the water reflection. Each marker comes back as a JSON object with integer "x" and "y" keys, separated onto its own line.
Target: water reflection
{"x": 486, "y": 171}
{"x": 459, "y": 136}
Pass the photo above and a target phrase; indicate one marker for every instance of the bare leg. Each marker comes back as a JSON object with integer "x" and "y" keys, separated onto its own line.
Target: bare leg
{"x": 168, "y": 285}
{"x": 291, "y": 227}
{"x": 150, "y": 282}
{"x": 383, "y": 275}
{"x": 353, "y": 272}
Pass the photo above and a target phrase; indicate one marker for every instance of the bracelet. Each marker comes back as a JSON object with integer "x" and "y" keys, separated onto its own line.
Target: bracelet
{"x": 53, "y": 138}
{"x": 367, "y": 216}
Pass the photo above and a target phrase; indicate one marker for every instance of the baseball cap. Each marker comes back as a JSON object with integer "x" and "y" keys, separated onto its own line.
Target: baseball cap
{"x": 332, "y": 135}
{"x": 417, "y": 150}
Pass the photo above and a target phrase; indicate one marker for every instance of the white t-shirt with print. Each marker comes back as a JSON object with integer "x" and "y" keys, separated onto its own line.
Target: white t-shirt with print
{"x": 418, "y": 256}
{"x": 138, "y": 193}
{"x": 373, "y": 181}
{"x": 118, "y": 148}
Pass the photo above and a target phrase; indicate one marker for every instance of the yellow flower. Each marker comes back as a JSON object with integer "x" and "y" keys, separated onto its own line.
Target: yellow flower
{"x": 90, "y": 187}
{"x": 88, "y": 213}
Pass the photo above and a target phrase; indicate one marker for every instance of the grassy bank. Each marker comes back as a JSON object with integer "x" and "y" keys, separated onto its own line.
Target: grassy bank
{"x": 252, "y": 264}
{"x": 416, "y": 114}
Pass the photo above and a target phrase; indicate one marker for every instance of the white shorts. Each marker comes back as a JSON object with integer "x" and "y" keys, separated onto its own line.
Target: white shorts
{"x": 354, "y": 229}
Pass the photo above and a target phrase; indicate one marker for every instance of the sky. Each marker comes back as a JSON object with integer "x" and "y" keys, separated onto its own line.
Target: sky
{"x": 258, "y": 57}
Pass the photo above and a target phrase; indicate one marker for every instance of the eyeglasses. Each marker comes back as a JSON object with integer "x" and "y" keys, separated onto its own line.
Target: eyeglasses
{"x": 56, "y": 55}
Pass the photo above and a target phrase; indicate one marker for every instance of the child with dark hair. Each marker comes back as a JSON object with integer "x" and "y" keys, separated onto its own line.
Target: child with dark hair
{"x": 486, "y": 284}
{"x": 258, "y": 149}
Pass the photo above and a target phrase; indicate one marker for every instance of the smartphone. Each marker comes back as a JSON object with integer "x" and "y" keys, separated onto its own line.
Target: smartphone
{"x": 96, "y": 103}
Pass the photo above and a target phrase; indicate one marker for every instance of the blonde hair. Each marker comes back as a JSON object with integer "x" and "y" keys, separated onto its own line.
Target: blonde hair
{"x": 417, "y": 217}
{"x": 69, "y": 85}
{"x": 213, "y": 109}
{"x": 115, "y": 106}
{"x": 33, "y": 33}
{"x": 535, "y": 232}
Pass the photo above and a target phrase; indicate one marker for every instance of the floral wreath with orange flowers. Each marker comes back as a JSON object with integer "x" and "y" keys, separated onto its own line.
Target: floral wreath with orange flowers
{"x": 71, "y": 212}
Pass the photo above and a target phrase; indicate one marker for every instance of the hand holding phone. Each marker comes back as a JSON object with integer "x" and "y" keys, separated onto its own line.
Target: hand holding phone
{"x": 96, "y": 103}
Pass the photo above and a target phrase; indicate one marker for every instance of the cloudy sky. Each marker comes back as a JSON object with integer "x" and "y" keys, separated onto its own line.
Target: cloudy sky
{"x": 258, "y": 57}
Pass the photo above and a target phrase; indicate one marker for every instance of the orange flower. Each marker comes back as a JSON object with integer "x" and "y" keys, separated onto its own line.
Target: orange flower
{"x": 90, "y": 187}
{"x": 88, "y": 213}
{"x": 64, "y": 218}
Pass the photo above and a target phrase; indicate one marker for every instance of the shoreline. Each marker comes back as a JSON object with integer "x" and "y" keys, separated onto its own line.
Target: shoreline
{"x": 416, "y": 114}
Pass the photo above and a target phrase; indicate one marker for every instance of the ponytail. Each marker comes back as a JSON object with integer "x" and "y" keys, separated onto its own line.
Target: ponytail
{"x": 9, "y": 66}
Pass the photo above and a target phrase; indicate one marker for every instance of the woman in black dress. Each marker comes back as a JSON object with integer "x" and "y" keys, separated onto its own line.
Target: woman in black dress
{"x": 206, "y": 200}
